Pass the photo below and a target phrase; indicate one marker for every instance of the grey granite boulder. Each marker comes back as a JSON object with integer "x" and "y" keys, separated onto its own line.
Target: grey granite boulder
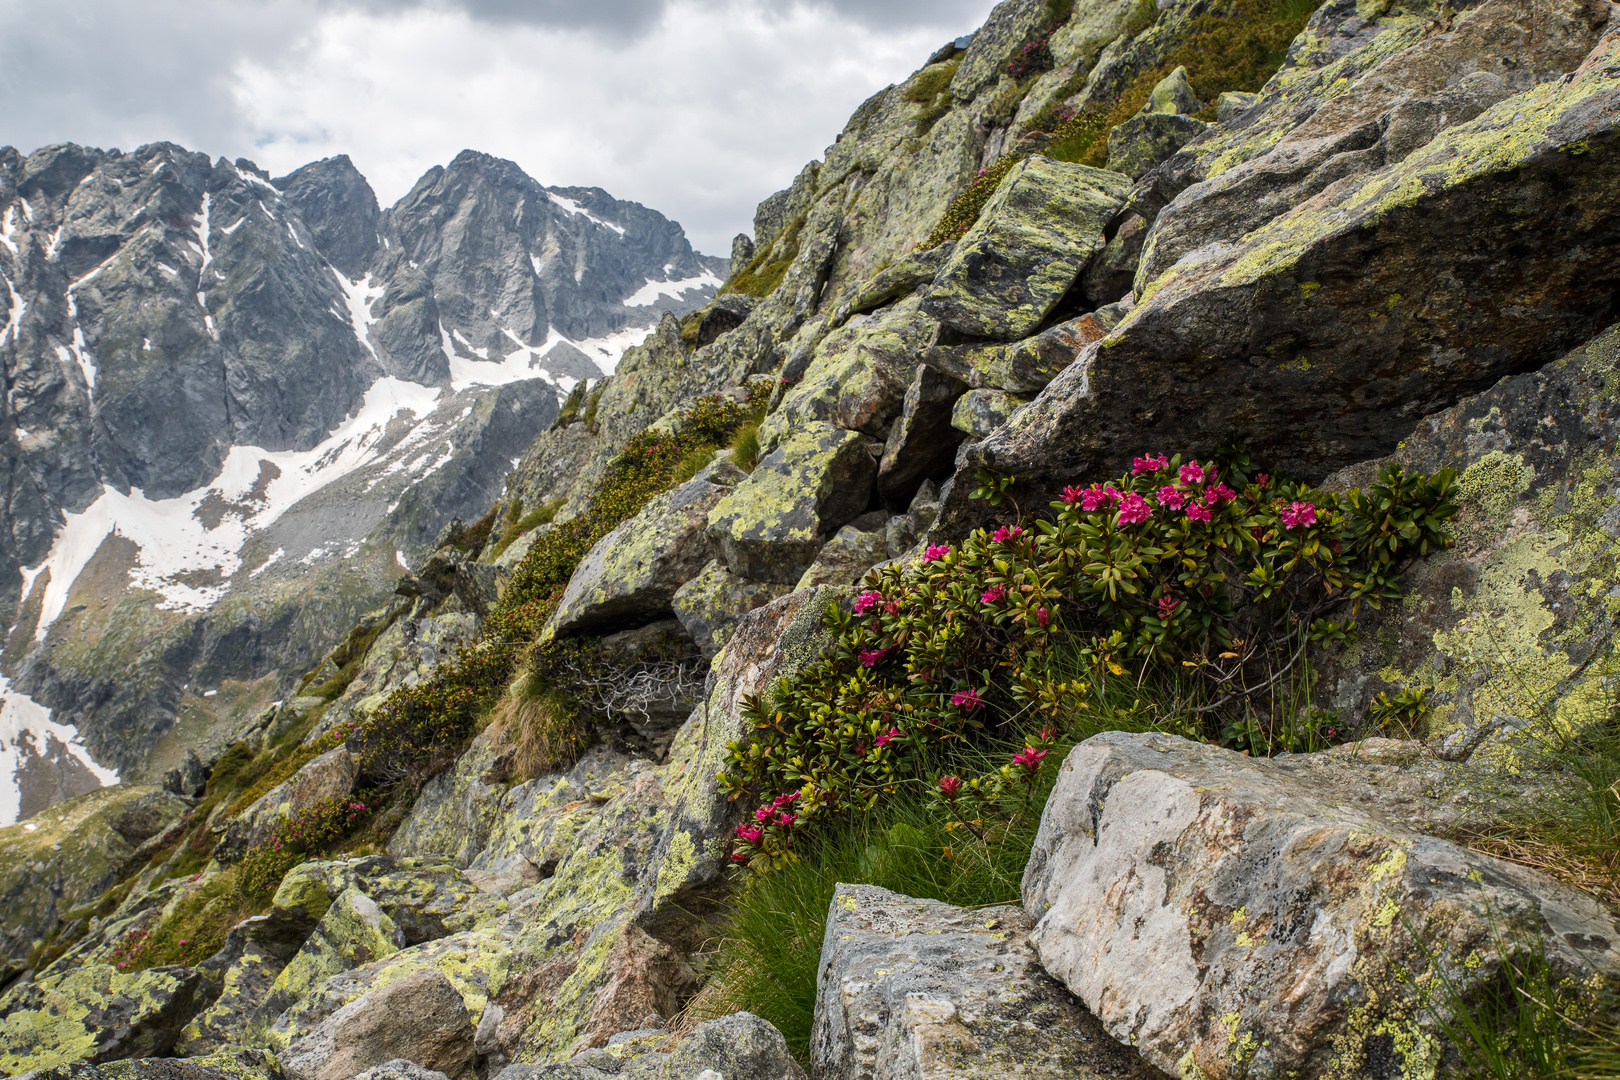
{"x": 237, "y": 1065}
{"x": 1234, "y": 916}
{"x": 1149, "y": 138}
{"x": 847, "y": 557}
{"x": 420, "y": 1017}
{"x": 740, "y": 1046}
{"x": 979, "y": 412}
{"x": 771, "y": 526}
{"x": 710, "y": 604}
{"x": 400, "y": 1069}
{"x": 917, "y": 988}
{"x": 921, "y": 443}
{"x": 1033, "y": 238}
{"x": 632, "y": 574}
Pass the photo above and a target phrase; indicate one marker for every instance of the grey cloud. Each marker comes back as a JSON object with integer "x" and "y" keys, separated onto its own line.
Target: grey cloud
{"x": 629, "y": 18}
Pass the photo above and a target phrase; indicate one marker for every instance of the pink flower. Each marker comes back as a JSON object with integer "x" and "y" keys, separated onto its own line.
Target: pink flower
{"x": 950, "y": 787}
{"x": 1072, "y": 494}
{"x": 995, "y": 594}
{"x": 1198, "y": 512}
{"x": 1030, "y": 759}
{"x": 967, "y": 699}
{"x": 1219, "y": 493}
{"x": 749, "y": 833}
{"x": 1006, "y": 532}
{"x": 1133, "y": 510}
{"x": 1043, "y": 618}
{"x": 1171, "y": 498}
{"x": 785, "y": 820}
{"x": 1262, "y": 479}
{"x": 763, "y": 814}
{"x": 1167, "y": 606}
{"x": 783, "y": 799}
{"x": 1150, "y": 464}
{"x": 1192, "y": 473}
{"x": 867, "y": 600}
{"x": 936, "y": 552}
{"x": 872, "y": 657}
{"x": 739, "y": 857}
{"x": 1299, "y": 515}
{"x": 1093, "y": 497}
{"x": 888, "y": 736}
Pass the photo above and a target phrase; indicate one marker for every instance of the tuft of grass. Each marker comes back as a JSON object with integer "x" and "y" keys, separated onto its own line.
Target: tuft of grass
{"x": 765, "y": 272}
{"x": 193, "y": 931}
{"x": 931, "y": 88}
{"x": 518, "y": 525}
{"x": 538, "y": 723}
{"x": 745, "y": 448}
{"x": 690, "y": 465}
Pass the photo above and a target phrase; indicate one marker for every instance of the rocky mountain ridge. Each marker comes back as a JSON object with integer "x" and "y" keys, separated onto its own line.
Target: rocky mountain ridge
{"x": 508, "y": 839}
{"x": 257, "y": 398}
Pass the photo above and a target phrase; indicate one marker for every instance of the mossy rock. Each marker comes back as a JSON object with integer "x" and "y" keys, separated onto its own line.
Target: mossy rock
{"x": 95, "y": 1013}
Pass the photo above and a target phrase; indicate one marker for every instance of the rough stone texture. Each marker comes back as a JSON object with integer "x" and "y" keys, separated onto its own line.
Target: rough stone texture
{"x": 632, "y": 574}
{"x": 979, "y": 412}
{"x": 1353, "y": 357}
{"x": 400, "y": 1069}
{"x": 917, "y": 988}
{"x": 329, "y": 776}
{"x": 354, "y": 931}
{"x": 420, "y": 1018}
{"x": 238, "y": 1065}
{"x": 846, "y": 557}
{"x": 95, "y": 1013}
{"x": 1507, "y": 633}
{"x": 64, "y": 857}
{"x": 895, "y": 281}
{"x": 1149, "y": 138}
{"x": 710, "y": 604}
{"x": 772, "y": 525}
{"x": 922, "y": 443}
{"x": 736, "y": 1047}
{"x": 1023, "y": 367}
{"x": 1031, "y": 241}
{"x": 1223, "y": 914}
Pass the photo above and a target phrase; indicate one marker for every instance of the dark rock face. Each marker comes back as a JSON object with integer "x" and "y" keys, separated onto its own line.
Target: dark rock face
{"x": 338, "y": 206}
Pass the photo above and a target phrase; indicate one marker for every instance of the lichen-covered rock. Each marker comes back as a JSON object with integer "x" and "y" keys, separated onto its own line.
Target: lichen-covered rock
{"x": 1031, "y": 241}
{"x": 64, "y": 856}
{"x": 331, "y": 775}
{"x": 632, "y": 574}
{"x": 1149, "y": 138}
{"x": 919, "y": 988}
{"x": 354, "y": 931}
{"x": 400, "y": 1069}
{"x": 1022, "y": 367}
{"x": 1356, "y": 356}
{"x": 736, "y": 1047}
{"x": 419, "y": 1017}
{"x": 711, "y": 603}
{"x": 95, "y": 1013}
{"x": 772, "y": 525}
{"x": 243, "y": 990}
{"x": 1235, "y": 916}
{"x": 1505, "y": 634}
{"x": 236, "y": 1065}
{"x": 979, "y": 412}
{"x": 846, "y": 557}
{"x": 891, "y": 283}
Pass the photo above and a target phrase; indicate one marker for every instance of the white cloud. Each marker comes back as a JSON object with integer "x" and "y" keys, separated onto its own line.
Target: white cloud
{"x": 697, "y": 108}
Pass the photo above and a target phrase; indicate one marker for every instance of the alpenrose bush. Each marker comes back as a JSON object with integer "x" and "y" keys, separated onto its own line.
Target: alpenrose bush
{"x": 1177, "y": 568}
{"x": 297, "y": 838}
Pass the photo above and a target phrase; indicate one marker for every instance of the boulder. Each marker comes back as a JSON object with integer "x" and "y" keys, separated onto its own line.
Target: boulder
{"x": 1174, "y": 94}
{"x": 847, "y": 557}
{"x": 632, "y": 574}
{"x": 420, "y": 1017}
{"x": 245, "y": 987}
{"x": 922, "y": 442}
{"x": 331, "y": 775}
{"x": 771, "y": 526}
{"x": 740, "y": 1046}
{"x": 1034, "y": 236}
{"x": 236, "y": 1065}
{"x": 1233, "y": 103}
{"x": 1148, "y": 139}
{"x": 95, "y": 1013}
{"x": 1367, "y": 320}
{"x": 354, "y": 931}
{"x": 903, "y": 276}
{"x": 726, "y": 313}
{"x": 710, "y": 604}
{"x": 1232, "y": 916}
{"x": 1022, "y": 367}
{"x": 979, "y": 412}
{"x": 919, "y": 988}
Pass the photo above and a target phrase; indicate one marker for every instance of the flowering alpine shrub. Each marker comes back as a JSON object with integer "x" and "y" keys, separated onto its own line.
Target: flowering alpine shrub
{"x": 1223, "y": 575}
{"x": 295, "y": 839}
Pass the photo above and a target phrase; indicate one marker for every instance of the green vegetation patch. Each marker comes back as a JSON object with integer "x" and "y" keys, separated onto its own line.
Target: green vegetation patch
{"x": 767, "y": 269}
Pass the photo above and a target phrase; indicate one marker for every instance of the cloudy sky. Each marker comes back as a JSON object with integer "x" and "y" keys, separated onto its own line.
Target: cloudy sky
{"x": 698, "y": 108}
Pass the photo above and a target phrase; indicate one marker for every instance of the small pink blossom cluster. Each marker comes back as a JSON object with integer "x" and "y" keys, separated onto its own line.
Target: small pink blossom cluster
{"x": 867, "y": 601}
{"x": 872, "y": 657}
{"x": 887, "y": 737}
{"x": 995, "y": 594}
{"x": 936, "y": 552}
{"x": 1029, "y": 759}
{"x": 968, "y": 700}
{"x": 1151, "y": 464}
{"x": 775, "y": 812}
{"x": 1007, "y": 532}
{"x": 1299, "y": 515}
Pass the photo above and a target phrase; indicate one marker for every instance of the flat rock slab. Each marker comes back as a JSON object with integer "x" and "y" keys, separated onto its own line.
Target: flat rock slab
{"x": 1242, "y": 917}
{"x": 736, "y": 1047}
{"x": 1035, "y": 235}
{"x": 919, "y": 989}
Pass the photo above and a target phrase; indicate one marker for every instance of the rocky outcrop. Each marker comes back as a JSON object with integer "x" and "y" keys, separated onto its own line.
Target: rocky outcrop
{"x": 420, "y": 1018}
{"x": 237, "y": 1065}
{"x": 738, "y": 1047}
{"x": 1236, "y": 916}
{"x": 919, "y": 988}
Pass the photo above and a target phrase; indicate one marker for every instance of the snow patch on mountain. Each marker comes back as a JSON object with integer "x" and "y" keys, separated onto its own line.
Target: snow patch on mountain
{"x": 576, "y": 208}
{"x": 190, "y": 546}
{"x": 27, "y": 732}
{"x": 675, "y": 290}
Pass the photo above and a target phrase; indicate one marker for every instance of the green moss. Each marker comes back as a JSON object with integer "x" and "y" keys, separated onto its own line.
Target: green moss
{"x": 761, "y": 276}
{"x": 931, "y": 88}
